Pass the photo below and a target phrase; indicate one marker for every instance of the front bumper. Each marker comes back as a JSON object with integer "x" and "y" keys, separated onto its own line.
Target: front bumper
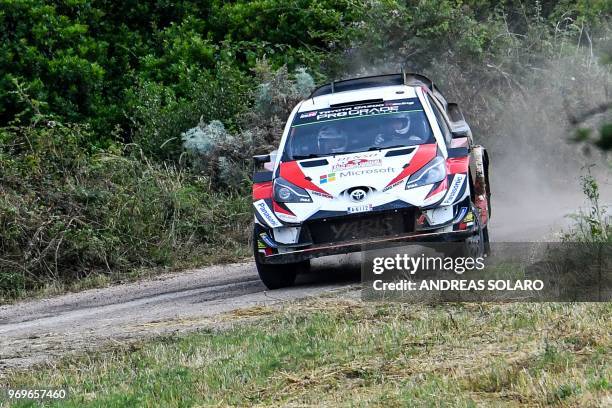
{"x": 316, "y": 251}
{"x": 347, "y": 234}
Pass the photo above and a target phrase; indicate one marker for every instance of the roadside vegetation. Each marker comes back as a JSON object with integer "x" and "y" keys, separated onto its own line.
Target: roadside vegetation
{"x": 126, "y": 127}
{"x": 343, "y": 352}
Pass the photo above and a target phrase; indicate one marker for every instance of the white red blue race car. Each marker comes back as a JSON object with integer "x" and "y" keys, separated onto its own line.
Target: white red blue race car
{"x": 371, "y": 160}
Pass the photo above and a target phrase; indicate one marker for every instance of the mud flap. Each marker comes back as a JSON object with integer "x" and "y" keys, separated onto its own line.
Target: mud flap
{"x": 478, "y": 170}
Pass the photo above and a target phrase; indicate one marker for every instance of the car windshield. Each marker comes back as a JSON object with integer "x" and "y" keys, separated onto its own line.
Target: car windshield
{"x": 357, "y": 128}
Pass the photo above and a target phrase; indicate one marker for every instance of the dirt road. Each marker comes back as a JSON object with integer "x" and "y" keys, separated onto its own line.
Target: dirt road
{"x": 41, "y": 330}
{"x": 36, "y": 331}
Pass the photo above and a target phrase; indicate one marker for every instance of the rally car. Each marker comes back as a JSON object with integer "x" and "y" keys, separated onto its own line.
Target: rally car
{"x": 366, "y": 161}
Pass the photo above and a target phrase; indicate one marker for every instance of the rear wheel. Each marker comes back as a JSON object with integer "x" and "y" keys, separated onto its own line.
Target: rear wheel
{"x": 276, "y": 276}
{"x": 487, "y": 244}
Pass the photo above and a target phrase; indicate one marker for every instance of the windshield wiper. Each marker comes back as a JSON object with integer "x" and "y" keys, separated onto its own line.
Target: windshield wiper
{"x": 385, "y": 147}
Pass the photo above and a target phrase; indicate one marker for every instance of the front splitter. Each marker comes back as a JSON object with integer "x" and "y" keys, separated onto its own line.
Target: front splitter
{"x": 346, "y": 247}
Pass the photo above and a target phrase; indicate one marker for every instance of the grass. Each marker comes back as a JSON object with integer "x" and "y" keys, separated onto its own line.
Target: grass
{"x": 330, "y": 352}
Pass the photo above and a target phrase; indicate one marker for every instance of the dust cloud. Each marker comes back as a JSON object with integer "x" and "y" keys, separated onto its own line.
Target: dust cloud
{"x": 535, "y": 166}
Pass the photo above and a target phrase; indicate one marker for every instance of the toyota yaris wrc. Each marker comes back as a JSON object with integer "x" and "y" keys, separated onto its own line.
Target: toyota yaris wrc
{"x": 368, "y": 161}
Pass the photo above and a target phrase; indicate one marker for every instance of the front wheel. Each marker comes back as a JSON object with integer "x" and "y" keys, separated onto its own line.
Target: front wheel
{"x": 276, "y": 276}
{"x": 476, "y": 246}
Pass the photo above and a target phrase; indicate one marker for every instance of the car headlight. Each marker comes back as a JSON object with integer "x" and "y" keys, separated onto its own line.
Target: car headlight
{"x": 432, "y": 172}
{"x": 286, "y": 192}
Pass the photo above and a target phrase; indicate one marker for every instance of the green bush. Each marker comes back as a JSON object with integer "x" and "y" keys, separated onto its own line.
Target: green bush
{"x": 224, "y": 154}
{"x": 159, "y": 115}
{"x": 66, "y": 212}
{"x": 85, "y": 60}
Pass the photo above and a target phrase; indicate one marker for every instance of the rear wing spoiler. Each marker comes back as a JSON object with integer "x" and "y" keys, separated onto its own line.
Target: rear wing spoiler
{"x": 403, "y": 78}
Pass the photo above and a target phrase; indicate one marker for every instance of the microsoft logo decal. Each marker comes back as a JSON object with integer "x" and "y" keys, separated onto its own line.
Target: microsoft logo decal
{"x": 324, "y": 178}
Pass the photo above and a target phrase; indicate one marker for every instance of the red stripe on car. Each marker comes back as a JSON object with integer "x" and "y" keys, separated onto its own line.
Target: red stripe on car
{"x": 443, "y": 186}
{"x": 424, "y": 155}
{"x": 292, "y": 172}
{"x": 262, "y": 190}
{"x": 457, "y": 165}
{"x": 277, "y": 208}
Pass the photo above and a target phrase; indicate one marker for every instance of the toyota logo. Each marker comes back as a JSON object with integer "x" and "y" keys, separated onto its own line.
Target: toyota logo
{"x": 357, "y": 195}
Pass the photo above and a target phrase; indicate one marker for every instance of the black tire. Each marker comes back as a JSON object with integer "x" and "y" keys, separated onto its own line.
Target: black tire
{"x": 476, "y": 246}
{"x": 276, "y": 276}
{"x": 487, "y": 243}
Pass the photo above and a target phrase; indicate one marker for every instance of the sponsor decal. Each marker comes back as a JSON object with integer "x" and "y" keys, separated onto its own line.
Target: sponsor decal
{"x": 267, "y": 240}
{"x": 361, "y": 155}
{"x": 400, "y": 103}
{"x": 390, "y": 186}
{"x": 358, "y": 111}
{"x": 453, "y": 190}
{"x": 321, "y": 194}
{"x": 308, "y": 114}
{"x": 352, "y": 173}
{"x": 265, "y": 212}
{"x": 349, "y": 230}
{"x": 359, "y": 208}
{"x": 356, "y": 163}
{"x": 469, "y": 217}
{"x": 327, "y": 178}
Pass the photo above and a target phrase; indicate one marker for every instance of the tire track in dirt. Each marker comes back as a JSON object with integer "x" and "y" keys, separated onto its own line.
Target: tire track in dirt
{"x": 41, "y": 330}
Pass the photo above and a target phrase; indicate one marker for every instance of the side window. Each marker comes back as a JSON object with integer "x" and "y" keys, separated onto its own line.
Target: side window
{"x": 446, "y": 132}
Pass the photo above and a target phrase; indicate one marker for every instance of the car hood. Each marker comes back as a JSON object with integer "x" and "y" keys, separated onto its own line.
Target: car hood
{"x": 357, "y": 182}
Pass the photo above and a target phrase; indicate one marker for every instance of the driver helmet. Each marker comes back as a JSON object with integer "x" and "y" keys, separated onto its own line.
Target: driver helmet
{"x": 331, "y": 140}
{"x": 400, "y": 124}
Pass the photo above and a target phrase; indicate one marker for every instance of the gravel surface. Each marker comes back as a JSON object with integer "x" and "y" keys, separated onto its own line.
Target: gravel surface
{"x": 40, "y": 330}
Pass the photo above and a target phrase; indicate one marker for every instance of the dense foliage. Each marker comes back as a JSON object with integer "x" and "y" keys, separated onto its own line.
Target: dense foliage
{"x": 68, "y": 213}
{"x": 126, "y": 126}
{"x": 84, "y": 60}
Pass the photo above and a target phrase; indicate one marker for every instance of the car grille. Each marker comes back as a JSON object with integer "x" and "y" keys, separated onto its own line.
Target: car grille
{"x": 361, "y": 227}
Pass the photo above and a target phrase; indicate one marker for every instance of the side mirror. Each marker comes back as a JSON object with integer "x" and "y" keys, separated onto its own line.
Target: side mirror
{"x": 458, "y": 152}
{"x": 261, "y": 159}
{"x": 460, "y": 129}
{"x": 261, "y": 174}
{"x": 459, "y": 133}
{"x": 454, "y": 112}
